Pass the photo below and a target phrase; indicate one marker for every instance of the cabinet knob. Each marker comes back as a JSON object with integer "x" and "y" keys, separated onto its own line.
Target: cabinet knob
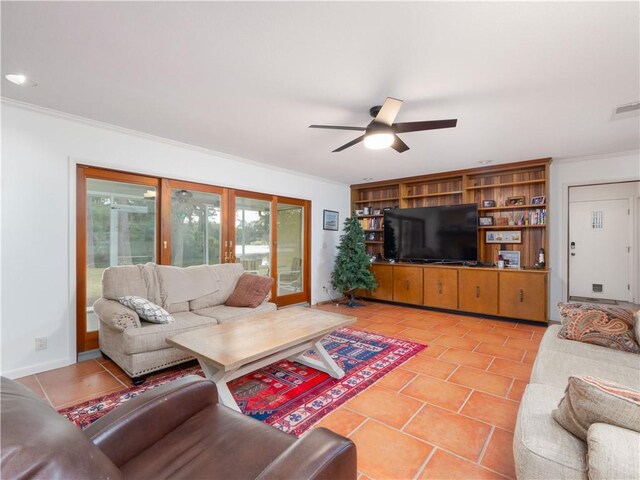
{"x": 477, "y": 291}
{"x": 521, "y": 295}
{"x": 440, "y": 288}
{"x": 406, "y": 284}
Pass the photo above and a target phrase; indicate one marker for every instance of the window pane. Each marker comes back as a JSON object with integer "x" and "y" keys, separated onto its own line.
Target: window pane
{"x": 290, "y": 248}
{"x": 195, "y": 227}
{"x": 121, "y": 230}
{"x": 253, "y": 235}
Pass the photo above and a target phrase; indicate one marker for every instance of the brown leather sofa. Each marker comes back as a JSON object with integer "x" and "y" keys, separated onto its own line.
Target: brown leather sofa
{"x": 178, "y": 430}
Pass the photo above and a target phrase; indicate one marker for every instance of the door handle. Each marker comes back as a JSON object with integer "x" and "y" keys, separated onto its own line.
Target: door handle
{"x": 477, "y": 291}
{"x": 440, "y": 288}
{"x": 521, "y": 295}
{"x": 164, "y": 244}
{"x": 406, "y": 284}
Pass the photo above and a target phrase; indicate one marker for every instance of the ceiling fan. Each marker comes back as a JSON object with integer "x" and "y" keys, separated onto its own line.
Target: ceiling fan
{"x": 382, "y": 132}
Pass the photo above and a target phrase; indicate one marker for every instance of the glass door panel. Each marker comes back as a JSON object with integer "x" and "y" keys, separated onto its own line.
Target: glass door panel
{"x": 196, "y": 227}
{"x": 121, "y": 230}
{"x": 290, "y": 249}
{"x": 252, "y": 235}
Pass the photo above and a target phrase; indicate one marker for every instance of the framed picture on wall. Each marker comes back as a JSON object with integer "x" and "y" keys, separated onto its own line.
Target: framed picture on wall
{"x": 330, "y": 220}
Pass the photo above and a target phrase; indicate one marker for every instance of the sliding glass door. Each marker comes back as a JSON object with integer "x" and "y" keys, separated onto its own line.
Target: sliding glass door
{"x": 129, "y": 219}
{"x": 117, "y": 215}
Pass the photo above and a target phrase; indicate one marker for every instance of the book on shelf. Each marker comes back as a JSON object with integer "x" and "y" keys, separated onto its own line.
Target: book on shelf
{"x": 371, "y": 223}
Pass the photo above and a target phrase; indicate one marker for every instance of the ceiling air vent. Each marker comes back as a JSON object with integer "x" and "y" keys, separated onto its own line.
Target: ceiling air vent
{"x": 627, "y": 110}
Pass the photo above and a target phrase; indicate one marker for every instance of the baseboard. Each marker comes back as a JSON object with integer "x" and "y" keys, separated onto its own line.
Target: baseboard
{"x": 37, "y": 368}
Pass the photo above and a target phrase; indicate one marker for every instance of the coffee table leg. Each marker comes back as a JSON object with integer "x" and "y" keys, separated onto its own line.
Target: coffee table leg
{"x": 220, "y": 378}
{"x": 325, "y": 364}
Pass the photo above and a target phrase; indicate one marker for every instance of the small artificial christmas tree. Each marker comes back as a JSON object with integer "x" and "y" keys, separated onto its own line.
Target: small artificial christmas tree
{"x": 351, "y": 270}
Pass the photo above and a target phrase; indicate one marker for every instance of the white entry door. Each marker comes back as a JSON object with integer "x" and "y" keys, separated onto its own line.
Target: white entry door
{"x": 599, "y": 249}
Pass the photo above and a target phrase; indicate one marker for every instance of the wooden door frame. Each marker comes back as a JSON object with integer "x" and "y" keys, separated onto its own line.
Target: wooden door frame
{"x": 305, "y": 295}
{"x": 89, "y": 340}
{"x": 166, "y": 219}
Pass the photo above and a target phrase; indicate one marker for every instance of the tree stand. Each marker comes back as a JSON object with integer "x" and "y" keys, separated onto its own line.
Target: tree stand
{"x": 353, "y": 302}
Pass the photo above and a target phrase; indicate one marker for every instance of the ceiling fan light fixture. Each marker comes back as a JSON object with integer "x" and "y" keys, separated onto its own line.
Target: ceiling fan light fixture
{"x": 378, "y": 141}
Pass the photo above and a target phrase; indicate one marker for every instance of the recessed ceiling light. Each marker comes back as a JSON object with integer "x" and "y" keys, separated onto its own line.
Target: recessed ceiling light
{"x": 367, "y": 179}
{"x": 20, "y": 79}
{"x": 485, "y": 162}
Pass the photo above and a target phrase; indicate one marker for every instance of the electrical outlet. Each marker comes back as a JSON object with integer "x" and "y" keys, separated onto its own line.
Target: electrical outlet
{"x": 41, "y": 343}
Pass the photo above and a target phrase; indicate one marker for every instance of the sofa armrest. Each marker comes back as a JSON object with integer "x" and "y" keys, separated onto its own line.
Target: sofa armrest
{"x": 319, "y": 455}
{"x": 613, "y": 452}
{"x": 116, "y": 315}
{"x": 142, "y": 421}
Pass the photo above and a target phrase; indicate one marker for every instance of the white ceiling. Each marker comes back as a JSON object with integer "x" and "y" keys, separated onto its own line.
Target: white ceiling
{"x": 525, "y": 80}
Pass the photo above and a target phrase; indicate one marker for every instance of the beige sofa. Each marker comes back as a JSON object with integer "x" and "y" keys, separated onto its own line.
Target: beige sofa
{"x": 194, "y": 296}
{"x": 545, "y": 450}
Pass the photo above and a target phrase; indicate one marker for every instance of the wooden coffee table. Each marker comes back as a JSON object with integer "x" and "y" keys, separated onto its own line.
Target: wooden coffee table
{"x": 230, "y": 350}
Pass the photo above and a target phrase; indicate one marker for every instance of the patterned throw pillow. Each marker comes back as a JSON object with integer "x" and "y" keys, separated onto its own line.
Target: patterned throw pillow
{"x": 600, "y": 325}
{"x": 590, "y": 400}
{"x": 147, "y": 310}
{"x": 250, "y": 291}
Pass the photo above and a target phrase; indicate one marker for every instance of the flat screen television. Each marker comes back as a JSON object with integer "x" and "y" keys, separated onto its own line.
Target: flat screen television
{"x": 432, "y": 234}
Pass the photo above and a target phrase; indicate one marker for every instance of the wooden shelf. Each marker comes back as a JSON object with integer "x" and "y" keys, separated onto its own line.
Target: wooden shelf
{"x": 510, "y": 227}
{"x": 372, "y": 229}
{"x": 508, "y": 184}
{"x": 442, "y": 194}
{"x": 369, "y": 216}
{"x": 514, "y": 207}
{"x": 375, "y": 200}
{"x": 373, "y": 241}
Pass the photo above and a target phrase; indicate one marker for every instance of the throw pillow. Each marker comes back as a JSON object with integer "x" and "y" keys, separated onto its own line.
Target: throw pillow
{"x": 636, "y": 328}
{"x": 250, "y": 291}
{"x": 590, "y": 400}
{"x": 606, "y": 326}
{"x": 146, "y": 310}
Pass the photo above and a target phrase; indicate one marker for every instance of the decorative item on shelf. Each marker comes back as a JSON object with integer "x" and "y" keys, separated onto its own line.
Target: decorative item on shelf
{"x": 502, "y": 221}
{"x": 330, "y": 220}
{"x": 488, "y": 203}
{"x": 485, "y": 221}
{"x": 508, "y": 236}
{"x": 351, "y": 270}
{"x": 377, "y": 211}
{"x": 539, "y": 200}
{"x": 386, "y": 208}
{"x": 515, "y": 201}
{"x": 512, "y": 218}
{"x": 500, "y": 261}
{"x": 359, "y": 213}
{"x": 511, "y": 258}
{"x": 366, "y": 210}
{"x": 540, "y": 263}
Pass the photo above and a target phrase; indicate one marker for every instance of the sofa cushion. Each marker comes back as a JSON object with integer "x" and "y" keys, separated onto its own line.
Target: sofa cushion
{"x": 227, "y": 275}
{"x": 152, "y": 337}
{"x": 224, "y": 314}
{"x": 124, "y": 280}
{"x": 614, "y": 452}
{"x": 179, "y": 284}
{"x": 541, "y": 447}
{"x": 607, "y": 326}
{"x": 146, "y": 309}
{"x": 251, "y": 290}
{"x": 589, "y": 400}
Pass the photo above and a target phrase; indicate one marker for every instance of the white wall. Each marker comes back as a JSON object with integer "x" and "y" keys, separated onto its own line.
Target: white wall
{"x": 39, "y": 152}
{"x": 578, "y": 171}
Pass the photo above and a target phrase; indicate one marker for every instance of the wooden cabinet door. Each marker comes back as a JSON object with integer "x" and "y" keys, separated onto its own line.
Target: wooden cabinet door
{"x": 523, "y": 296}
{"x": 440, "y": 288}
{"x": 384, "y": 276}
{"x": 407, "y": 285}
{"x": 478, "y": 291}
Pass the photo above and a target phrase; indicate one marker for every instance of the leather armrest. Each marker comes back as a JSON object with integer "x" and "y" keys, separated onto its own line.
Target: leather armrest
{"x": 133, "y": 427}
{"x": 318, "y": 455}
{"x": 116, "y": 315}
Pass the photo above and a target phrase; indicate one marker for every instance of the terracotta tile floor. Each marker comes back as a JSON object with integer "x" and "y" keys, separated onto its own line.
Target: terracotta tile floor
{"x": 448, "y": 413}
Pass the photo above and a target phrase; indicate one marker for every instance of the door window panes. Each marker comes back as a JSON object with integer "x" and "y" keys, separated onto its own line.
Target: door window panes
{"x": 253, "y": 235}
{"x": 121, "y": 230}
{"x": 195, "y": 227}
{"x": 290, "y": 248}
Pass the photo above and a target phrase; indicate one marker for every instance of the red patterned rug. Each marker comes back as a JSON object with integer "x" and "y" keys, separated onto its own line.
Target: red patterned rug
{"x": 287, "y": 395}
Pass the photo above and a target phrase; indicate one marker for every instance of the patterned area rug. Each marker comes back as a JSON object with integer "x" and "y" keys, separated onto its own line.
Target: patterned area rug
{"x": 288, "y": 395}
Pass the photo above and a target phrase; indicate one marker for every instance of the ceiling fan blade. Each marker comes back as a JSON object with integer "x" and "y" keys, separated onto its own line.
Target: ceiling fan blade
{"x": 338, "y": 127}
{"x": 398, "y": 145}
{"x": 428, "y": 125}
{"x": 350, "y": 144}
{"x": 389, "y": 111}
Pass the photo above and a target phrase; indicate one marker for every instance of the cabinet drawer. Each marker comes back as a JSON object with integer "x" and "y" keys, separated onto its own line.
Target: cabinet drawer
{"x": 523, "y": 296}
{"x": 440, "y": 288}
{"x": 478, "y": 291}
{"x": 407, "y": 285}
